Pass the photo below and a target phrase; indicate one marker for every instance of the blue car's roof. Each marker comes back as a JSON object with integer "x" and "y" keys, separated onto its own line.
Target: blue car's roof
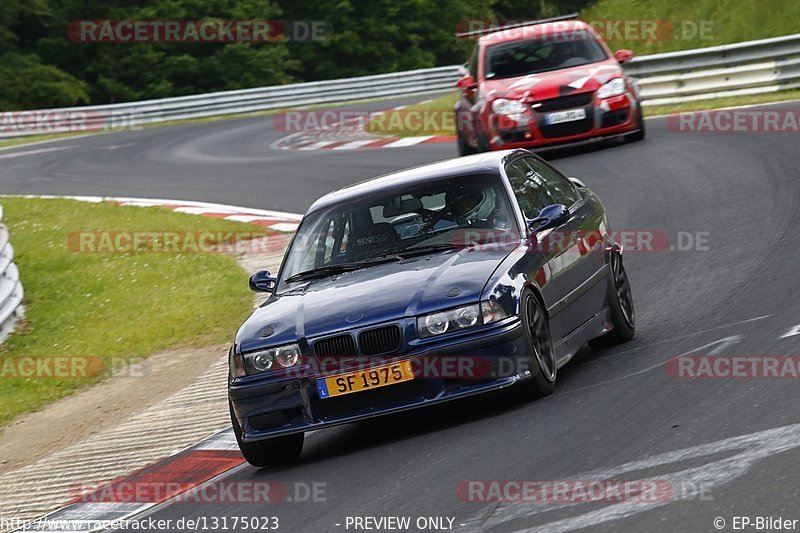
{"x": 475, "y": 164}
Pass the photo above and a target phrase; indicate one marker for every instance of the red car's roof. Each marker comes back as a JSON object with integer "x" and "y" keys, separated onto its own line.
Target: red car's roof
{"x": 534, "y": 31}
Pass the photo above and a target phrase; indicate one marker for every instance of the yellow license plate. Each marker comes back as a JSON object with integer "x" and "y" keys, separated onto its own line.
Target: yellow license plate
{"x": 371, "y": 378}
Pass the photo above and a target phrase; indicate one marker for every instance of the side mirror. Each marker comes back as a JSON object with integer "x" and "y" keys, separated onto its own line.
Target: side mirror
{"x": 577, "y": 182}
{"x": 261, "y": 281}
{"x": 465, "y": 83}
{"x": 550, "y": 217}
{"x": 623, "y": 56}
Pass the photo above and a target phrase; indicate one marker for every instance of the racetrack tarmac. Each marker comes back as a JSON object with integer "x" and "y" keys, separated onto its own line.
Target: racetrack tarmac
{"x": 617, "y": 414}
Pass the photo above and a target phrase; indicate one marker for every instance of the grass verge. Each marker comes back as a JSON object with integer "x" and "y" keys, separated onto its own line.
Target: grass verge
{"x": 693, "y": 23}
{"x": 718, "y": 103}
{"x": 105, "y": 308}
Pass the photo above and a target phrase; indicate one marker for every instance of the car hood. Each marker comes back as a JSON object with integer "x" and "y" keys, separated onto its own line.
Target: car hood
{"x": 552, "y": 84}
{"x": 371, "y": 295}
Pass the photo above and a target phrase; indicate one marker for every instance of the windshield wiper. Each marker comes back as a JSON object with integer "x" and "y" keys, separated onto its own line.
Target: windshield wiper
{"x": 329, "y": 270}
{"x": 429, "y": 249}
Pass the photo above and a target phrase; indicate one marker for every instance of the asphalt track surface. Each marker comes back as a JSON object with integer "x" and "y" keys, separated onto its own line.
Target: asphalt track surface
{"x": 616, "y": 414}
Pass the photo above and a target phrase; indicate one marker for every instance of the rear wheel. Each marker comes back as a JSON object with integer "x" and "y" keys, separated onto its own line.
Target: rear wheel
{"x": 620, "y": 304}
{"x": 542, "y": 357}
{"x": 269, "y": 452}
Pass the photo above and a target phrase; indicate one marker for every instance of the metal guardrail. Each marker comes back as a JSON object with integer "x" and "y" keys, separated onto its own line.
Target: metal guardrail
{"x": 752, "y": 67}
{"x": 10, "y": 285}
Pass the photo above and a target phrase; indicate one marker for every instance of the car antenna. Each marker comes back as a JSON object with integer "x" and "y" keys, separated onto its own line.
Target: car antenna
{"x": 493, "y": 29}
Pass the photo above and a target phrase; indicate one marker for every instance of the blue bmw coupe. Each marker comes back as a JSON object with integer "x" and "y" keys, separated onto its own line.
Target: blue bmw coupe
{"x": 423, "y": 286}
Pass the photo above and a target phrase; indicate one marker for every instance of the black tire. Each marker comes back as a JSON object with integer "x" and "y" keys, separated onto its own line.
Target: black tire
{"x": 483, "y": 142}
{"x": 620, "y": 304}
{"x": 639, "y": 134}
{"x": 270, "y": 452}
{"x": 463, "y": 147}
{"x": 542, "y": 358}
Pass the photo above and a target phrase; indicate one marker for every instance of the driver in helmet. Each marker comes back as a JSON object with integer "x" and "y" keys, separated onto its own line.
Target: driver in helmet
{"x": 562, "y": 52}
{"x": 472, "y": 206}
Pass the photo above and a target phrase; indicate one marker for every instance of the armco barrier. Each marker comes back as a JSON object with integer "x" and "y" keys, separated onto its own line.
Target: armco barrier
{"x": 752, "y": 67}
{"x": 10, "y": 285}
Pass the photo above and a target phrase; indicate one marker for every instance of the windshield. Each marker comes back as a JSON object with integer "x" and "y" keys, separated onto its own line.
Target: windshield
{"x": 530, "y": 56}
{"x": 432, "y": 216}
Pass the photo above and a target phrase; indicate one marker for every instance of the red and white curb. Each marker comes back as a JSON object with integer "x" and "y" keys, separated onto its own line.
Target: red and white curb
{"x": 309, "y": 142}
{"x": 152, "y": 485}
{"x": 274, "y": 220}
{"x": 350, "y": 135}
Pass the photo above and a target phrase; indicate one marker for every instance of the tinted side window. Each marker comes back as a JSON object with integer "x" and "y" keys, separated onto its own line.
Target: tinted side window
{"x": 529, "y": 188}
{"x": 560, "y": 187}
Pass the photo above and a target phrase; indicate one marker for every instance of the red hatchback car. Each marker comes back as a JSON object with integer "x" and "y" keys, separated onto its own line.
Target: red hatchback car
{"x": 545, "y": 84}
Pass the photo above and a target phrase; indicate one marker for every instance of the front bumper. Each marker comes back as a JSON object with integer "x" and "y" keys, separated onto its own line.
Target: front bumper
{"x": 611, "y": 117}
{"x": 268, "y": 407}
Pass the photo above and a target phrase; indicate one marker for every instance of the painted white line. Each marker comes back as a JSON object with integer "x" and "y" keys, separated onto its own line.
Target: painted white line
{"x": 398, "y": 108}
{"x": 317, "y": 145}
{"x": 206, "y": 210}
{"x": 224, "y": 440}
{"x": 727, "y": 460}
{"x": 247, "y": 218}
{"x": 37, "y": 151}
{"x": 211, "y": 207}
{"x": 677, "y": 338}
{"x": 115, "y": 146}
{"x": 408, "y": 141}
{"x": 791, "y": 333}
{"x": 723, "y": 343}
{"x": 352, "y": 145}
{"x": 284, "y": 226}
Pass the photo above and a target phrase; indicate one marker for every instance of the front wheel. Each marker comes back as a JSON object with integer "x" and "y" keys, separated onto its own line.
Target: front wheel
{"x": 463, "y": 147}
{"x": 270, "y": 452}
{"x": 620, "y": 305}
{"x": 541, "y": 354}
{"x": 637, "y": 135}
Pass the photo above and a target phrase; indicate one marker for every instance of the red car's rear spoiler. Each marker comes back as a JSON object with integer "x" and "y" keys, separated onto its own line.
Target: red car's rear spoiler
{"x": 493, "y": 29}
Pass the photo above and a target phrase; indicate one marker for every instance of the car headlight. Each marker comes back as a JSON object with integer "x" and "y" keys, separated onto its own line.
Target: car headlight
{"x": 272, "y": 359}
{"x": 450, "y": 320}
{"x": 613, "y": 87}
{"x": 460, "y": 318}
{"x": 503, "y": 106}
